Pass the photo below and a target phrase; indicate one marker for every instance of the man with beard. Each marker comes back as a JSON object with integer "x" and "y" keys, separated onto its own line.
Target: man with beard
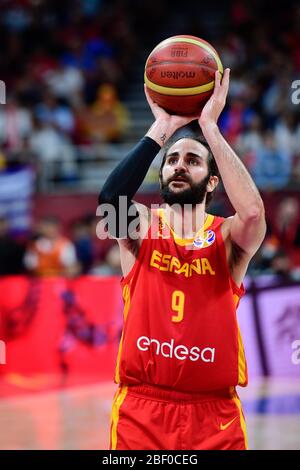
{"x": 181, "y": 355}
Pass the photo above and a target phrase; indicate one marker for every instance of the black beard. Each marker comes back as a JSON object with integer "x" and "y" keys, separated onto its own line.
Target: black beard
{"x": 193, "y": 195}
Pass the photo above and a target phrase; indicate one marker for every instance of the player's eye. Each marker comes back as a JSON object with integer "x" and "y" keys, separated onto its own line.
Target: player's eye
{"x": 193, "y": 161}
{"x": 171, "y": 160}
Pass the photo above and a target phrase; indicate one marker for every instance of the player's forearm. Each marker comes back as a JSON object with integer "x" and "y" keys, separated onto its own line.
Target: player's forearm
{"x": 239, "y": 186}
{"x": 161, "y": 130}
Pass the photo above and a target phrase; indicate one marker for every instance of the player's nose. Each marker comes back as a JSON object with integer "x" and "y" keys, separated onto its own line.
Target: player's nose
{"x": 180, "y": 166}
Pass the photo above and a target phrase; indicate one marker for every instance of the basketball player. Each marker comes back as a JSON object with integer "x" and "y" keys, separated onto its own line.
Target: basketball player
{"x": 181, "y": 354}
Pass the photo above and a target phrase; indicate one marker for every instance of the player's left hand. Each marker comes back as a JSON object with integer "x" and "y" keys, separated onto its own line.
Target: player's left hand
{"x": 215, "y": 105}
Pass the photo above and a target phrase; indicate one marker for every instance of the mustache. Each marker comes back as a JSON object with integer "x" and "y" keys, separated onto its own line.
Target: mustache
{"x": 183, "y": 176}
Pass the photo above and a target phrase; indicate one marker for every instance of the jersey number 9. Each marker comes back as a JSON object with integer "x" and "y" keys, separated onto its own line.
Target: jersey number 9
{"x": 178, "y": 305}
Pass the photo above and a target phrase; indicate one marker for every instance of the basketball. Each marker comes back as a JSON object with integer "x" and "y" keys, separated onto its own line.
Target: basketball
{"x": 180, "y": 73}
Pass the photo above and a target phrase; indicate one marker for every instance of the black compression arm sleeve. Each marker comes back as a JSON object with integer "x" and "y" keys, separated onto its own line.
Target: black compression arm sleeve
{"x": 128, "y": 176}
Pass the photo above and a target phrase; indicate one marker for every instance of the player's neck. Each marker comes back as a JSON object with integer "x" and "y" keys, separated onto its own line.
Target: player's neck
{"x": 186, "y": 221}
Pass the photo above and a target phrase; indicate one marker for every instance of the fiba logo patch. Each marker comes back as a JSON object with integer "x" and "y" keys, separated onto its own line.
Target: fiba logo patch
{"x": 205, "y": 240}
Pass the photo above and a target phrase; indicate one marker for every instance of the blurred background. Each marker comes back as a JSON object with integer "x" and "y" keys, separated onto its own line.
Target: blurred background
{"x": 75, "y": 106}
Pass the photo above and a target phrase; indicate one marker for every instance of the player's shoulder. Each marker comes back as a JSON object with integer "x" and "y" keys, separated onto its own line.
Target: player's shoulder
{"x": 216, "y": 221}
{"x": 222, "y": 224}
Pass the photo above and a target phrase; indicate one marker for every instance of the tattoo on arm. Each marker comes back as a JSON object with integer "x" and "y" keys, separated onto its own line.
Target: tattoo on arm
{"x": 163, "y": 138}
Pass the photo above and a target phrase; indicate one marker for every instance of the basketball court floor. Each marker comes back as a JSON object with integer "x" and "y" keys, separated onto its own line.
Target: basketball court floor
{"x": 78, "y": 417}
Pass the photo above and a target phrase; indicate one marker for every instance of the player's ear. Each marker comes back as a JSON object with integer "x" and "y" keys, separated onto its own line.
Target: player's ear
{"x": 212, "y": 184}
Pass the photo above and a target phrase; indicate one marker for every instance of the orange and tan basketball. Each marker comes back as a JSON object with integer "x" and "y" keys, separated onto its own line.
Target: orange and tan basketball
{"x": 180, "y": 73}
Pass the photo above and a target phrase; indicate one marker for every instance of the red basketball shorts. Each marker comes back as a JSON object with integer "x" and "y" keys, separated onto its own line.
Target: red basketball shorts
{"x": 151, "y": 418}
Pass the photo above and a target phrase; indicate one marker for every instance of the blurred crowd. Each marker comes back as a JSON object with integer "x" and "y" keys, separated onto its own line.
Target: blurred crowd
{"x": 49, "y": 251}
{"x": 280, "y": 251}
{"x": 66, "y": 67}
{"x": 66, "y": 64}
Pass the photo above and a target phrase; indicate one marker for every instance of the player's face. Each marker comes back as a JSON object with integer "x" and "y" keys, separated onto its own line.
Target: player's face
{"x": 185, "y": 173}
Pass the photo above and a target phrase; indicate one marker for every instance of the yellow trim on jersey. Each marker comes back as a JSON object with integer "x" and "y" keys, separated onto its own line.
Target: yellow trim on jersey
{"x": 126, "y": 299}
{"x": 117, "y": 403}
{"x": 242, "y": 419}
{"x": 236, "y": 299}
{"x": 241, "y": 360}
{"x": 241, "y": 357}
{"x": 184, "y": 91}
{"x": 187, "y": 241}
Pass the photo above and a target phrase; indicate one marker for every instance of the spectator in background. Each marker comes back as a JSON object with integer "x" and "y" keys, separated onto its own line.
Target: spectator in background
{"x": 286, "y": 228}
{"x": 17, "y": 16}
{"x": 296, "y": 171}
{"x": 15, "y": 124}
{"x": 107, "y": 119}
{"x": 286, "y": 135}
{"x": 66, "y": 82}
{"x": 250, "y": 142}
{"x": 235, "y": 118}
{"x": 11, "y": 252}
{"x": 83, "y": 242}
{"x": 280, "y": 252}
{"x": 41, "y": 62}
{"x": 84, "y": 55}
{"x": 281, "y": 264}
{"x": 233, "y": 52}
{"x": 91, "y": 254}
{"x": 277, "y": 97}
{"x": 272, "y": 169}
{"x": 54, "y": 154}
{"x": 50, "y": 253}
{"x": 52, "y": 112}
{"x": 111, "y": 264}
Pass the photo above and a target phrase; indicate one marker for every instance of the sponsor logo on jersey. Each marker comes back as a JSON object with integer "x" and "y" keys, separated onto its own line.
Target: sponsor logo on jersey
{"x": 170, "y": 350}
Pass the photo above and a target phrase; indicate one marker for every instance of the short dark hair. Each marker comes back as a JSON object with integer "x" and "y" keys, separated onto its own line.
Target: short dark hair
{"x": 211, "y": 162}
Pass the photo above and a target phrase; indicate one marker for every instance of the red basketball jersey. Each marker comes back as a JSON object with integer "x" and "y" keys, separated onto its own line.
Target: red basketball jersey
{"x": 180, "y": 328}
